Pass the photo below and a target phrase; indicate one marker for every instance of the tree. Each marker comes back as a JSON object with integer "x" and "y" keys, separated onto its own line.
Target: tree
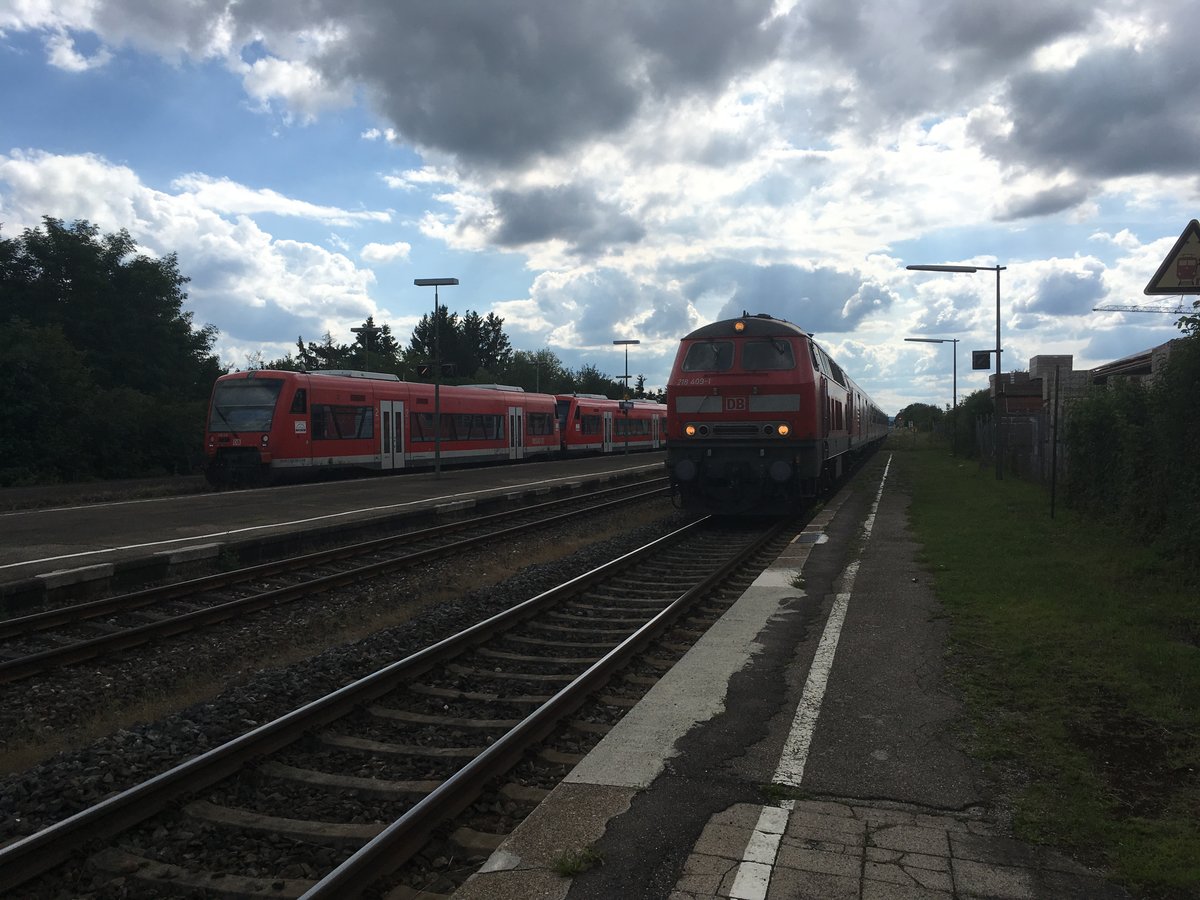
{"x": 590, "y": 380}
{"x": 427, "y": 342}
{"x": 921, "y": 416}
{"x": 325, "y": 355}
{"x": 376, "y": 348}
{"x": 114, "y": 347}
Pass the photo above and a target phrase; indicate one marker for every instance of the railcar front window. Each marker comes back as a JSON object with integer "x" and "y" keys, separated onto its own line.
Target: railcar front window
{"x": 758, "y": 355}
{"x": 561, "y": 408}
{"x": 245, "y": 404}
{"x": 709, "y": 356}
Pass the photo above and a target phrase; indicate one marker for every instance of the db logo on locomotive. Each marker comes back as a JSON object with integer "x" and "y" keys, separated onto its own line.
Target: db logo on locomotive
{"x": 736, "y": 404}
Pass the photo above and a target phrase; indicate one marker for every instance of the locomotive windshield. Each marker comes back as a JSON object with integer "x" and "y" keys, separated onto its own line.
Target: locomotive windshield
{"x": 244, "y": 404}
{"x": 709, "y": 356}
{"x": 775, "y": 354}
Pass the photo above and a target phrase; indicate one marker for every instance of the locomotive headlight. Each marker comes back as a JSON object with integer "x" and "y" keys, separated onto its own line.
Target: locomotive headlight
{"x": 689, "y": 430}
{"x": 783, "y": 429}
{"x": 264, "y": 440}
{"x": 739, "y": 327}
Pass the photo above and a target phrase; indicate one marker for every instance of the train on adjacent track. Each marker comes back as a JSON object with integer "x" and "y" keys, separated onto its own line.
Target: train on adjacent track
{"x": 760, "y": 418}
{"x": 266, "y": 426}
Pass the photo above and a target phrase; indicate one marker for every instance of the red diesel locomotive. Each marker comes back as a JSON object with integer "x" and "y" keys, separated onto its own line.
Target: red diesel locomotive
{"x": 266, "y": 426}
{"x": 759, "y": 417}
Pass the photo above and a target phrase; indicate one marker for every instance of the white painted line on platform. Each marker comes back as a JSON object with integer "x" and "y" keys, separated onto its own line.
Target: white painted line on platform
{"x": 795, "y": 749}
{"x": 754, "y": 872}
{"x": 753, "y": 878}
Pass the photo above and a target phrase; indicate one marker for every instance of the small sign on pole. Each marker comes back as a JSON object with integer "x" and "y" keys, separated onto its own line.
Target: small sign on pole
{"x": 981, "y": 359}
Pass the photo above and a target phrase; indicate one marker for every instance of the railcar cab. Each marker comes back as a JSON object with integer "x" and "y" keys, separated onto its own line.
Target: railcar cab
{"x": 585, "y": 422}
{"x": 263, "y": 423}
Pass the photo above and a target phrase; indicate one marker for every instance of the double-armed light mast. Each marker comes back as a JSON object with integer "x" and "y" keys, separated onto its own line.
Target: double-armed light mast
{"x": 953, "y": 388}
{"x": 435, "y": 283}
{"x": 625, "y": 402}
{"x": 997, "y": 450}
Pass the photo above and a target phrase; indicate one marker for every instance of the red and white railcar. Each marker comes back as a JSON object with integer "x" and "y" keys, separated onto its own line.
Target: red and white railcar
{"x": 264, "y": 425}
{"x": 760, "y": 417}
{"x": 592, "y": 423}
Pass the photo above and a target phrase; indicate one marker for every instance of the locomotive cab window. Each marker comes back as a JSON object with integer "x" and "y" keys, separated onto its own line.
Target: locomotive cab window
{"x": 300, "y": 401}
{"x": 775, "y": 354}
{"x": 709, "y": 356}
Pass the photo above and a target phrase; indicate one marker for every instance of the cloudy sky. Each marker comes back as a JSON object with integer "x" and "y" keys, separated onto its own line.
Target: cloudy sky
{"x": 600, "y": 170}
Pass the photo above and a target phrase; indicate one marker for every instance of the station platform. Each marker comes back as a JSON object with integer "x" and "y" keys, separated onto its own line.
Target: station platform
{"x": 802, "y": 750}
{"x": 96, "y": 546}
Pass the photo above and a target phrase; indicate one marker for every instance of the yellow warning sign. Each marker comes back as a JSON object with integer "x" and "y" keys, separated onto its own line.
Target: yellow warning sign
{"x": 1180, "y": 271}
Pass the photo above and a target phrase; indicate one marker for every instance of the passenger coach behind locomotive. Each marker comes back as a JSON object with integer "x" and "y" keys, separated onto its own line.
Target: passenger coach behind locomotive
{"x": 759, "y": 417}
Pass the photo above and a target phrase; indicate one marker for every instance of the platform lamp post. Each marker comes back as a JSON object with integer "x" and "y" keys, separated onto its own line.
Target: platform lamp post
{"x": 996, "y": 418}
{"x": 626, "y": 403}
{"x": 436, "y": 283}
{"x": 953, "y": 387}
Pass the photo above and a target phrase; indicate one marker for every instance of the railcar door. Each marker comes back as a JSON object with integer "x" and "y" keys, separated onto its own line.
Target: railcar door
{"x": 516, "y": 432}
{"x": 655, "y": 435}
{"x": 391, "y": 434}
{"x": 608, "y": 432}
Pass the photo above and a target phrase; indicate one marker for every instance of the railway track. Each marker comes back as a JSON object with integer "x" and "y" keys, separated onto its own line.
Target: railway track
{"x": 333, "y": 797}
{"x": 38, "y": 643}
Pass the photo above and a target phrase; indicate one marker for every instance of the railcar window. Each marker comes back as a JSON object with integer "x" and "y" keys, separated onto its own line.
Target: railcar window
{"x": 590, "y": 425}
{"x": 342, "y": 423}
{"x": 631, "y": 427}
{"x": 775, "y": 354}
{"x": 456, "y": 427}
{"x": 709, "y": 356}
{"x": 539, "y": 423}
{"x": 245, "y": 404}
{"x": 300, "y": 401}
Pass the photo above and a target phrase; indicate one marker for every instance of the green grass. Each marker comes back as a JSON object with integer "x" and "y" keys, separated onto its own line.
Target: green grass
{"x": 1078, "y": 654}
{"x": 570, "y": 863}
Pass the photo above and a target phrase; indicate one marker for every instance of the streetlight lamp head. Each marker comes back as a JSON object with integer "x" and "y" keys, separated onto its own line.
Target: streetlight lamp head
{"x": 930, "y": 340}
{"x": 434, "y": 282}
{"x": 943, "y": 268}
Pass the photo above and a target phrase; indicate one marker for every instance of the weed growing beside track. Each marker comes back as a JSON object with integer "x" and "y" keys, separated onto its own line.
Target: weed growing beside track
{"x": 1078, "y": 653}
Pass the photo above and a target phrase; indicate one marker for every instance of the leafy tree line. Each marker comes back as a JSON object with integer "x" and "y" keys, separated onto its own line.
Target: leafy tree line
{"x": 473, "y": 349}
{"x": 1133, "y": 451}
{"x": 104, "y": 375}
{"x": 958, "y": 428}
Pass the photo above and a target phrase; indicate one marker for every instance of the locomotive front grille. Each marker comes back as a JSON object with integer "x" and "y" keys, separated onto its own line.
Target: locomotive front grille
{"x": 737, "y": 430}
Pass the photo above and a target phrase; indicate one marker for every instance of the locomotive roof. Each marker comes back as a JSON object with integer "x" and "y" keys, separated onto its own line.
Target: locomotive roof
{"x": 761, "y": 325}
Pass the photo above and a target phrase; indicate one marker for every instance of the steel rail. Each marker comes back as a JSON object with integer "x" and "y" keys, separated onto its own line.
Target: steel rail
{"x": 36, "y": 663}
{"x": 41, "y": 621}
{"x": 401, "y": 840}
{"x": 39, "y": 852}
